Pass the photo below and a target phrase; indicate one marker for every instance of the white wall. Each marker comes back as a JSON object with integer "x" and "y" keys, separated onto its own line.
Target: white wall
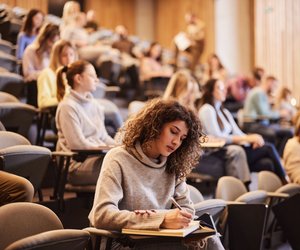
{"x": 145, "y": 19}
{"x": 232, "y": 37}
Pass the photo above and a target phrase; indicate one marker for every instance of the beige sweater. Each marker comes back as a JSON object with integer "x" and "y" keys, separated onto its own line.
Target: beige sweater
{"x": 130, "y": 181}
{"x": 291, "y": 158}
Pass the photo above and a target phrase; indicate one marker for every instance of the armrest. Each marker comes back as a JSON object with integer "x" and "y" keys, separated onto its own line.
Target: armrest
{"x": 92, "y": 151}
{"x": 82, "y": 154}
{"x": 235, "y": 203}
{"x": 213, "y": 142}
{"x": 278, "y": 195}
{"x": 102, "y": 232}
{"x": 112, "y": 89}
{"x": 60, "y": 153}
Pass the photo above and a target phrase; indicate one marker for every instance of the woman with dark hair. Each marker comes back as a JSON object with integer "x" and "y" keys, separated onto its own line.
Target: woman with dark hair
{"x": 161, "y": 145}
{"x": 151, "y": 64}
{"x": 219, "y": 122}
{"x": 229, "y": 160}
{"x": 80, "y": 121}
{"x": 31, "y": 26}
{"x": 214, "y": 69}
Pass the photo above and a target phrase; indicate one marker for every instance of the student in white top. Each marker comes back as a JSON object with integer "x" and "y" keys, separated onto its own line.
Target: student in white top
{"x": 218, "y": 121}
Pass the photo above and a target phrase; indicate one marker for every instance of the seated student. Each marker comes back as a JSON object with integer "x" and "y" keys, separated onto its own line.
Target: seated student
{"x": 31, "y": 26}
{"x": 283, "y": 103}
{"x": 257, "y": 104}
{"x": 62, "y": 54}
{"x": 138, "y": 178}
{"x": 36, "y": 58}
{"x": 229, "y": 160}
{"x": 80, "y": 121}
{"x": 291, "y": 157}
{"x": 14, "y": 188}
{"x": 214, "y": 69}
{"x": 75, "y": 31}
{"x": 36, "y": 55}
{"x": 219, "y": 122}
{"x": 151, "y": 65}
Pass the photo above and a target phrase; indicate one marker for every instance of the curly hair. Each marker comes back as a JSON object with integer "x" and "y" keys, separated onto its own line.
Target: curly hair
{"x": 148, "y": 124}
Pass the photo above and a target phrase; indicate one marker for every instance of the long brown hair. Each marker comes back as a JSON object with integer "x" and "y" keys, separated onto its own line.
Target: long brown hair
{"x": 28, "y": 23}
{"x": 48, "y": 31}
{"x": 208, "y": 97}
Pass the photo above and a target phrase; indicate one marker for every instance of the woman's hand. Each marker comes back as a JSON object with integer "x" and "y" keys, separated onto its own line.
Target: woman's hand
{"x": 175, "y": 219}
{"x": 256, "y": 140}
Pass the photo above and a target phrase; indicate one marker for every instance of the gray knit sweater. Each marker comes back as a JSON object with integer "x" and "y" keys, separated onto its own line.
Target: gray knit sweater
{"x": 129, "y": 180}
{"x": 80, "y": 123}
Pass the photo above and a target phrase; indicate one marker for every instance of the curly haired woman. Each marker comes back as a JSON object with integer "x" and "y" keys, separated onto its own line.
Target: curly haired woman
{"x": 161, "y": 145}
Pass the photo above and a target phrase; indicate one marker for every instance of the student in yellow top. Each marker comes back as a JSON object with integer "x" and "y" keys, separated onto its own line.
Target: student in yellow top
{"x": 62, "y": 54}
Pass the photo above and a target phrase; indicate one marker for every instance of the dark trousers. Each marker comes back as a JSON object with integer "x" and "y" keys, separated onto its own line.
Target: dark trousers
{"x": 264, "y": 158}
{"x": 274, "y": 134}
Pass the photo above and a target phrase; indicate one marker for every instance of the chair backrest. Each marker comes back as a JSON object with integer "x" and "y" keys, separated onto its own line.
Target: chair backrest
{"x": 28, "y": 161}
{"x": 11, "y": 83}
{"x": 9, "y": 62}
{"x": 8, "y": 139}
{"x": 17, "y": 117}
{"x": 195, "y": 194}
{"x": 6, "y": 46}
{"x": 230, "y": 188}
{"x": 6, "y": 97}
{"x": 21, "y": 219}
{"x": 268, "y": 181}
{"x": 62, "y": 239}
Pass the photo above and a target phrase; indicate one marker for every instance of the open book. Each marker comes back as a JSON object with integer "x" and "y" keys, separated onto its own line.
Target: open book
{"x": 182, "y": 41}
{"x": 194, "y": 225}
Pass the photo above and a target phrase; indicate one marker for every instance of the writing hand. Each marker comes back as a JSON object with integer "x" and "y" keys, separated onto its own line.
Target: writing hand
{"x": 175, "y": 219}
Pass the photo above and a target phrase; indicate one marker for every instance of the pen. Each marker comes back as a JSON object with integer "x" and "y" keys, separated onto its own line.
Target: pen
{"x": 175, "y": 203}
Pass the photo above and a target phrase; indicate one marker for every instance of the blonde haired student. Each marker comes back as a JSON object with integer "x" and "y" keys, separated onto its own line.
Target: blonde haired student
{"x": 62, "y": 54}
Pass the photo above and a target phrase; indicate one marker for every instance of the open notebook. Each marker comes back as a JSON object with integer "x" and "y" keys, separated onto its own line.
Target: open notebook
{"x": 194, "y": 225}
